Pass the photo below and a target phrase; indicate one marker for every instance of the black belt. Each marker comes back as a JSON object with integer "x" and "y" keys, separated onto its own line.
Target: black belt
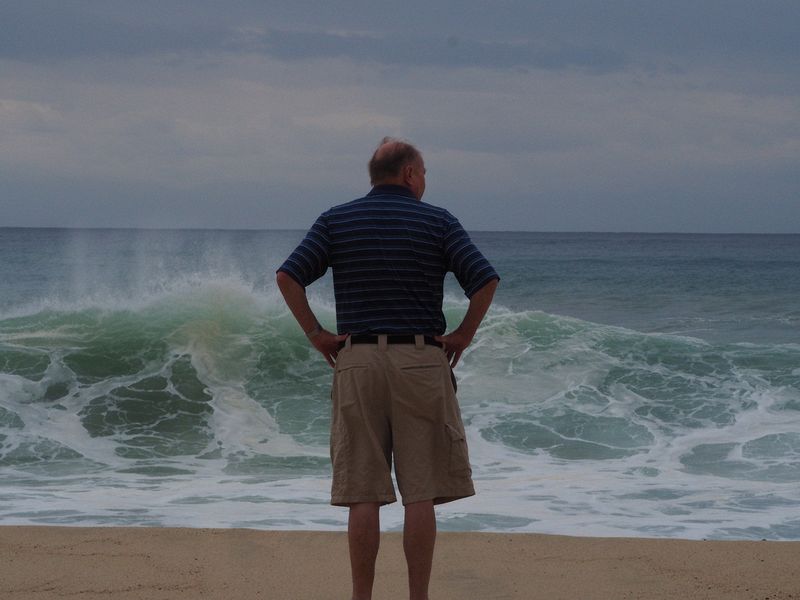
{"x": 365, "y": 338}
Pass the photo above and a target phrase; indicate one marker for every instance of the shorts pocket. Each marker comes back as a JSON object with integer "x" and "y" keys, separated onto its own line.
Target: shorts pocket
{"x": 349, "y": 367}
{"x": 449, "y": 370}
{"x": 338, "y": 444}
{"x": 459, "y": 457}
{"x": 421, "y": 391}
{"x": 453, "y": 380}
{"x": 345, "y": 388}
{"x": 340, "y": 459}
{"x": 420, "y": 368}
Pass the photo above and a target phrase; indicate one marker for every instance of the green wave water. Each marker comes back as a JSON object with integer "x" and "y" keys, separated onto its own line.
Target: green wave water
{"x": 195, "y": 400}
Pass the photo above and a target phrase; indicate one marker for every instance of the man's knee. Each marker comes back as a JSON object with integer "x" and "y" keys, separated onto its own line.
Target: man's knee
{"x": 364, "y": 512}
{"x": 422, "y": 506}
{"x": 364, "y": 506}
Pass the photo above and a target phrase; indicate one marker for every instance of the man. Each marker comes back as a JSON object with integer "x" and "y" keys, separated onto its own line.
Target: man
{"x": 393, "y": 390}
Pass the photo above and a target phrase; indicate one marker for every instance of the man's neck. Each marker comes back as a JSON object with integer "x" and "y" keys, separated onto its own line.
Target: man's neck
{"x": 396, "y": 189}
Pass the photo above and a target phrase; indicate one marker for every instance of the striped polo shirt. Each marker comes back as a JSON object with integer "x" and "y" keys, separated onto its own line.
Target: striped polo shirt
{"x": 389, "y": 253}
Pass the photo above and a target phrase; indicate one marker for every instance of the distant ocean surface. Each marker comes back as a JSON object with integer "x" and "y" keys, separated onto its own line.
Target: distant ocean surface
{"x": 621, "y": 385}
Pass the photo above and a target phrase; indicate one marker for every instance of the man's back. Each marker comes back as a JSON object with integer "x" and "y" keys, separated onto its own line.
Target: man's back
{"x": 389, "y": 253}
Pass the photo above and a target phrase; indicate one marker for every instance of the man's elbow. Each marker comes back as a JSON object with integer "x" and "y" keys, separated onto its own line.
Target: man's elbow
{"x": 285, "y": 281}
{"x": 490, "y": 286}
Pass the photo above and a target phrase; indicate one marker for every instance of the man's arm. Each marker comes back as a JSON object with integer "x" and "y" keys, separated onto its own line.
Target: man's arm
{"x": 295, "y": 296}
{"x": 457, "y": 341}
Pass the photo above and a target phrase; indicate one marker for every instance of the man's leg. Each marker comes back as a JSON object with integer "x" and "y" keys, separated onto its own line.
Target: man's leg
{"x": 419, "y": 537}
{"x": 364, "y": 536}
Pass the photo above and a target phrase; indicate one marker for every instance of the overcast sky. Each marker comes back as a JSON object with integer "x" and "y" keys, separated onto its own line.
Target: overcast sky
{"x": 673, "y": 115}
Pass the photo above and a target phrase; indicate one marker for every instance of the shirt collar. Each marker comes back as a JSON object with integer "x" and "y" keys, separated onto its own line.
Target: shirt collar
{"x": 391, "y": 189}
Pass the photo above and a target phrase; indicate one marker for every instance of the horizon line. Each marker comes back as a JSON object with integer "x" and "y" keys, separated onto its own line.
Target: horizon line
{"x": 541, "y": 231}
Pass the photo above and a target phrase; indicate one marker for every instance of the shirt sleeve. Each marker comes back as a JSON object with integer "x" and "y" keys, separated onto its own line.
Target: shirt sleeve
{"x": 470, "y": 267}
{"x": 310, "y": 259}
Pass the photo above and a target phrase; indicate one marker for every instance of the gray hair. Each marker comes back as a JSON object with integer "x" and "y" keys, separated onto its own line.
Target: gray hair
{"x": 392, "y": 159}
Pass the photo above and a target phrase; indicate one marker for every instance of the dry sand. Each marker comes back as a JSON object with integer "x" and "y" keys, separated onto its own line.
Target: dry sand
{"x": 38, "y": 563}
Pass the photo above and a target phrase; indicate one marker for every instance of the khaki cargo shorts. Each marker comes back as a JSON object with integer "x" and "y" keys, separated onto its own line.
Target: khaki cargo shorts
{"x": 396, "y": 401}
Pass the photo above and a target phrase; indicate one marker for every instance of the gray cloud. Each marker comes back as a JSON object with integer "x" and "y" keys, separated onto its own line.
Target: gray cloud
{"x": 550, "y": 35}
{"x": 34, "y": 31}
{"x": 556, "y": 116}
{"x": 451, "y": 51}
{"x": 66, "y": 34}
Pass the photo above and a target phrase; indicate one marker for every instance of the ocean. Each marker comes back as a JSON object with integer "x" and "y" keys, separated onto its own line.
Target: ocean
{"x": 620, "y": 385}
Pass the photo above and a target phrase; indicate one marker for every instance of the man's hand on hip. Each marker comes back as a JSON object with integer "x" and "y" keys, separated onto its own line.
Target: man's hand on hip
{"x": 295, "y": 295}
{"x": 454, "y": 344}
{"x": 328, "y": 345}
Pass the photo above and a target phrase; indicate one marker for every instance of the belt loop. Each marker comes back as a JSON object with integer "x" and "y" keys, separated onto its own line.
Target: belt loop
{"x": 348, "y": 342}
{"x": 419, "y": 341}
{"x": 382, "y": 340}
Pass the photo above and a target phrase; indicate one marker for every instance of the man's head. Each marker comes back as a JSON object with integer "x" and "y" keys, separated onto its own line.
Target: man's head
{"x": 397, "y": 162}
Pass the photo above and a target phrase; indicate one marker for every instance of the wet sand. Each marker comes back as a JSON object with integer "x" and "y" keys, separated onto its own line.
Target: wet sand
{"x": 93, "y": 563}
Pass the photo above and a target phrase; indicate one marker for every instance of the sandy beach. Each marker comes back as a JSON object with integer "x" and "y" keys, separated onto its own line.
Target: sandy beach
{"x": 40, "y": 563}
